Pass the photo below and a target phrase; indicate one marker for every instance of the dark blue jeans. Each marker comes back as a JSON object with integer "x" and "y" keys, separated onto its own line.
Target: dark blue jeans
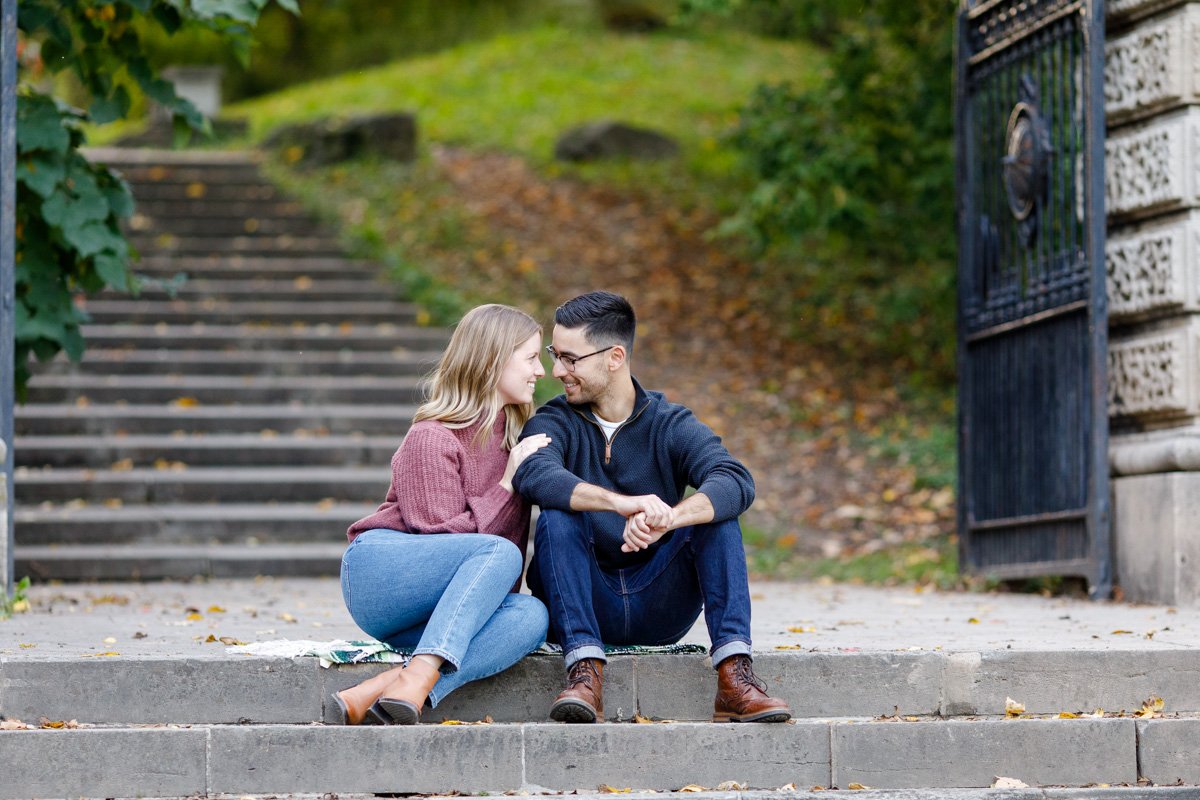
{"x": 700, "y": 568}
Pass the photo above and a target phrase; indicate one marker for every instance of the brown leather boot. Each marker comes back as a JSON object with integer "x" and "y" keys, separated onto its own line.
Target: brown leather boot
{"x": 583, "y": 699}
{"x": 402, "y": 701}
{"x": 742, "y": 697}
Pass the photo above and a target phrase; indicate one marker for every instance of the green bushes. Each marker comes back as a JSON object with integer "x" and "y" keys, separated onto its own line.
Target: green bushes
{"x": 863, "y": 163}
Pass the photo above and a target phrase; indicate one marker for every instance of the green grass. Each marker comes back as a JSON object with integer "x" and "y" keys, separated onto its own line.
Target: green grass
{"x": 518, "y": 92}
{"x": 928, "y": 563}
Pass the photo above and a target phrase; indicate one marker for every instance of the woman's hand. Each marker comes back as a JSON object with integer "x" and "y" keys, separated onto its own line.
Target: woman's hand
{"x": 521, "y": 451}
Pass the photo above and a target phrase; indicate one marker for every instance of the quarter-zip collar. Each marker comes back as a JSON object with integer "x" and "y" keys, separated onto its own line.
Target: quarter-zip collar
{"x": 641, "y": 401}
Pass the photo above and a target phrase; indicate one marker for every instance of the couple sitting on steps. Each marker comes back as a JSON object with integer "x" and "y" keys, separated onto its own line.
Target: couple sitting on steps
{"x": 621, "y": 555}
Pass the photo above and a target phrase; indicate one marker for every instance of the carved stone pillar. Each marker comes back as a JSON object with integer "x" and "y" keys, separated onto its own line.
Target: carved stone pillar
{"x": 1152, "y": 189}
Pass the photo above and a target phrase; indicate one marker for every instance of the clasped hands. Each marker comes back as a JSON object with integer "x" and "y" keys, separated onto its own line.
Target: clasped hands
{"x": 647, "y": 518}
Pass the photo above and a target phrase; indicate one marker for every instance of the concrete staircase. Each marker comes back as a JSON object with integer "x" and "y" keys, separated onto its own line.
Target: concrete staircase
{"x": 235, "y": 428}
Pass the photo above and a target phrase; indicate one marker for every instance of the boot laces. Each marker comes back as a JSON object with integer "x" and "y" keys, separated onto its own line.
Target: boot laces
{"x": 745, "y": 672}
{"x": 581, "y": 672}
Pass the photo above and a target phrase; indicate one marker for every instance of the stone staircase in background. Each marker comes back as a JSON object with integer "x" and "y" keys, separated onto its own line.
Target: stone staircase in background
{"x": 234, "y": 428}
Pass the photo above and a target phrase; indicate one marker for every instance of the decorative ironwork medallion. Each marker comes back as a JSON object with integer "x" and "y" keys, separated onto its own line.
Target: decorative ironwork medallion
{"x": 1027, "y": 151}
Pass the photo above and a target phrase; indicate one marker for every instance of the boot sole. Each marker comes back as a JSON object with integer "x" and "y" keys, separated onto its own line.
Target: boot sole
{"x": 572, "y": 711}
{"x": 774, "y": 715}
{"x": 401, "y": 712}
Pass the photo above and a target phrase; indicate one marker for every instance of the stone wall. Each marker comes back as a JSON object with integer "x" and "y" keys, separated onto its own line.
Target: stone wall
{"x": 1152, "y": 192}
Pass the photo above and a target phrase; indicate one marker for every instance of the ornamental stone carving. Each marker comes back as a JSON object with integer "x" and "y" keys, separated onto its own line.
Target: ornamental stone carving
{"x": 1144, "y": 69}
{"x": 1150, "y": 168}
{"x": 1146, "y": 377}
{"x": 1145, "y": 274}
{"x": 1124, "y": 11}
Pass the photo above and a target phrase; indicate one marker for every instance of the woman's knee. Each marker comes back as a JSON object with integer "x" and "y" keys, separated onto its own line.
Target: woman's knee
{"x": 528, "y": 614}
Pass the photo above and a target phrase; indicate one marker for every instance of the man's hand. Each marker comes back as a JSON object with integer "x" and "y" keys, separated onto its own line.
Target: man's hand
{"x": 656, "y": 512}
{"x": 639, "y": 534}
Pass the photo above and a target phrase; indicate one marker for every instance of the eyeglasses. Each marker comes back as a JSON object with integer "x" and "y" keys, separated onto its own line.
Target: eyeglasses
{"x": 569, "y": 362}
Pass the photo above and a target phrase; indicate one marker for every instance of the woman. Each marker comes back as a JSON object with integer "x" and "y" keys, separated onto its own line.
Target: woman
{"x": 433, "y": 567}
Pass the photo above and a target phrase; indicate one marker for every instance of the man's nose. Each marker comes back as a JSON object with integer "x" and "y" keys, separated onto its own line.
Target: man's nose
{"x": 560, "y": 371}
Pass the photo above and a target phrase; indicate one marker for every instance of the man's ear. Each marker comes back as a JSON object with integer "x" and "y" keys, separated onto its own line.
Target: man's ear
{"x": 616, "y": 357}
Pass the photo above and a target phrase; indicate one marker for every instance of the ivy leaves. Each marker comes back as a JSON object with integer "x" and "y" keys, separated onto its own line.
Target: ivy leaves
{"x": 69, "y": 211}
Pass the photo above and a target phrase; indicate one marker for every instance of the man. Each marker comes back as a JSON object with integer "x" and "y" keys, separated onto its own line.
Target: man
{"x": 621, "y": 556}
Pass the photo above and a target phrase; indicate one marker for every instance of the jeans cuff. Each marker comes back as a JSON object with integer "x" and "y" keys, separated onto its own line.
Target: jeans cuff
{"x": 729, "y": 649}
{"x": 584, "y": 651}
{"x": 449, "y": 662}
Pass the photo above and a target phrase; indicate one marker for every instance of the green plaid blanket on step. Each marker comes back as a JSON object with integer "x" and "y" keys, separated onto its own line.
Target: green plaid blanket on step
{"x": 340, "y": 651}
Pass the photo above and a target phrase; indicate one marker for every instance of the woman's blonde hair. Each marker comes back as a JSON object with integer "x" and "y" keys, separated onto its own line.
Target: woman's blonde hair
{"x": 461, "y": 390}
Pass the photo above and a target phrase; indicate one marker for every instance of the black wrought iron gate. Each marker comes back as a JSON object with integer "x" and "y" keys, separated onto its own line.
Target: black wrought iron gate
{"x": 1033, "y": 426}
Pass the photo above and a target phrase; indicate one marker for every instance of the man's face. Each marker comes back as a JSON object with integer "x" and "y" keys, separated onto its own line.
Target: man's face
{"x": 589, "y": 378}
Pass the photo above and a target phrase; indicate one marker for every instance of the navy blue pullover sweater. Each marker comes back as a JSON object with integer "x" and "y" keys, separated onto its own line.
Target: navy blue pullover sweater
{"x": 660, "y": 449}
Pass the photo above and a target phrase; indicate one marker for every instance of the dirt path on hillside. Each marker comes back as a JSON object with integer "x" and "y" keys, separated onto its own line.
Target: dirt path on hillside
{"x": 796, "y": 420}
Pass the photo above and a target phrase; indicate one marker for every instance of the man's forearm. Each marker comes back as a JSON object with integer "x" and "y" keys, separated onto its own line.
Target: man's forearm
{"x": 695, "y": 509}
{"x": 589, "y": 497}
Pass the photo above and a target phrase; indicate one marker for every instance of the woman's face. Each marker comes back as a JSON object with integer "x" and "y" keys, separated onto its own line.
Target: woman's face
{"x": 521, "y": 372}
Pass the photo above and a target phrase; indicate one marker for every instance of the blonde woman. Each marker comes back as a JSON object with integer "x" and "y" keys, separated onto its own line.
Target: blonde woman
{"x": 436, "y": 567}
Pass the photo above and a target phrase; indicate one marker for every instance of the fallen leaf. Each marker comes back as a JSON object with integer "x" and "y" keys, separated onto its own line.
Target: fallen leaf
{"x": 216, "y": 610}
{"x": 789, "y": 647}
{"x": 731, "y": 786}
{"x": 604, "y": 787}
{"x": 229, "y": 640}
{"x": 211, "y": 639}
{"x": 195, "y": 616}
{"x": 184, "y": 402}
{"x": 694, "y": 787}
{"x": 973, "y": 621}
{"x": 1012, "y": 708}
{"x": 638, "y": 718}
{"x": 14, "y": 725}
{"x": 124, "y": 465}
{"x": 110, "y": 640}
{"x": 1120, "y": 632}
{"x": 857, "y": 787}
{"x": 1067, "y": 715}
{"x": 802, "y": 629}
{"x": 1151, "y": 708}
{"x": 286, "y": 617}
{"x": 1009, "y": 783}
{"x": 24, "y": 646}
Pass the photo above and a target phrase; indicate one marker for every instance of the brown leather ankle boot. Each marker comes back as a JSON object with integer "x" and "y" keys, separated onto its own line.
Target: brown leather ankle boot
{"x": 742, "y": 697}
{"x": 402, "y": 701}
{"x": 583, "y": 699}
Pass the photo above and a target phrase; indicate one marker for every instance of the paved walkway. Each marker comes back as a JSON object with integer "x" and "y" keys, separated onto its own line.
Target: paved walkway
{"x": 178, "y": 619}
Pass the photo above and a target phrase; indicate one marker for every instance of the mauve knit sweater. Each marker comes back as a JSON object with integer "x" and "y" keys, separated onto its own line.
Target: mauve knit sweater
{"x": 443, "y": 483}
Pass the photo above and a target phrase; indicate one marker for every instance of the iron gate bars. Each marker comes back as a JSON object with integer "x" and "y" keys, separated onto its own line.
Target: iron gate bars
{"x": 1032, "y": 338}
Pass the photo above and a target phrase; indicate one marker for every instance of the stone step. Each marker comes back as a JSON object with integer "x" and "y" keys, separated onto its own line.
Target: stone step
{"x": 266, "y": 448}
{"x": 402, "y": 760}
{"x": 184, "y": 523}
{"x": 222, "y": 389}
{"x": 249, "y": 191}
{"x": 199, "y": 209}
{"x": 100, "y": 420}
{"x": 201, "y": 485}
{"x": 149, "y": 157}
{"x": 262, "y": 362}
{"x": 387, "y": 337}
{"x": 237, "y": 267}
{"x": 298, "y": 288}
{"x": 155, "y": 218}
{"x": 312, "y": 311}
{"x": 242, "y": 245}
{"x": 156, "y": 562}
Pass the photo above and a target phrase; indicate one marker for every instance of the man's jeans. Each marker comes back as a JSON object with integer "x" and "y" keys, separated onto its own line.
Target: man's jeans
{"x": 446, "y": 594}
{"x": 655, "y": 603}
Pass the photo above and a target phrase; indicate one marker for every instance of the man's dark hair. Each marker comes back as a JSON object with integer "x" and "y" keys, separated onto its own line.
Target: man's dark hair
{"x": 606, "y": 318}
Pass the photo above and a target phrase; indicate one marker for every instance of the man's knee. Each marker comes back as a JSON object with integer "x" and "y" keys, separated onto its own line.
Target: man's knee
{"x": 554, "y": 527}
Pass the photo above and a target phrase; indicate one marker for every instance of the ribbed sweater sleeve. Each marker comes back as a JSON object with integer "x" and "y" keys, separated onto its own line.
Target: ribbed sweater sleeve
{"x": 432, "y": 472}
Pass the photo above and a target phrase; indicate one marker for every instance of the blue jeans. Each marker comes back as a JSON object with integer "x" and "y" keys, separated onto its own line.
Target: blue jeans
{"x": 654, "y": 603}
{"x": 445, "y": 594}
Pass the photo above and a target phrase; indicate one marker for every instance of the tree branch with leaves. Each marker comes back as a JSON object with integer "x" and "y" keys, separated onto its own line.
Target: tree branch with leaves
{"x": 69, "y": 210}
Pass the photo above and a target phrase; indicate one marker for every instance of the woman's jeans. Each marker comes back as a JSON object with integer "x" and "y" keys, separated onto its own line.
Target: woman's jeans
{"x": 654, "y": 603}
{"x": 444, "y": 594}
